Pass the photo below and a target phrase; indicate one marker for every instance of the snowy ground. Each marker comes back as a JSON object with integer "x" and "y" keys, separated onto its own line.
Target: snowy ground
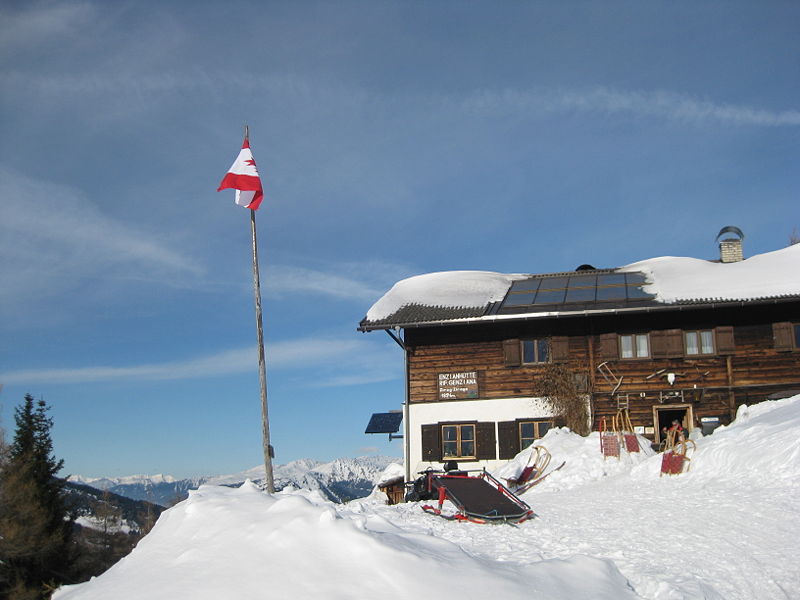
{"x": 605, "y": 529}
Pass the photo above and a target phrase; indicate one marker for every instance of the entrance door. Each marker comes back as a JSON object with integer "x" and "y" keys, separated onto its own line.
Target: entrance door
{"x": 664, "y": 414}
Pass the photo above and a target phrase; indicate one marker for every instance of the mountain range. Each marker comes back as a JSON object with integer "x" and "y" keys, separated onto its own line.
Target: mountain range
{"x": 339, "y": 481}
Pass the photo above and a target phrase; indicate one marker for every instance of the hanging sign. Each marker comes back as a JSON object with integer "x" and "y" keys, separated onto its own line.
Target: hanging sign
{"x": 454, "y": 386}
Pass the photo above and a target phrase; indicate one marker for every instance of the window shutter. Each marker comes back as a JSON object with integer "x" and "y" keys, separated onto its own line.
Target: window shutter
{"x": 484, "y": 434}
{"x": 674, "y": 343}
{"x": 725, "y": 341}
{"x": 658, "y": 344}
{"x": 509, "y": 440}
{"x": 559, "y": 348}
{"x": 667, "y": 343}
{"x": 431, "y": 443}
{"x": 609, "y": 346}
{"x": 782, "y": 334}
{"x": 512, "y": 353}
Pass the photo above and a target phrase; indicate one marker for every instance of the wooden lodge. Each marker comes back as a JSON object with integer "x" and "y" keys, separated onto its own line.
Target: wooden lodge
{"x": 673, "y": 338}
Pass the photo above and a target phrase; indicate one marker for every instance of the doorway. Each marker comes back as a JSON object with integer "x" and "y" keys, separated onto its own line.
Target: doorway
{"x": 663, "y": 416}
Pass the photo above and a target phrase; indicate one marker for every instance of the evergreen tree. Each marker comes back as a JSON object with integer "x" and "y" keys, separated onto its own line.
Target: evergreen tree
{"x": 35, "y": 530}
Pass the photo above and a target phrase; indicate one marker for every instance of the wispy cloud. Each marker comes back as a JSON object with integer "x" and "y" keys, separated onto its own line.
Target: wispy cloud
{"x": 52, "y": 238}
{"x": 30, "y": 26}
{"x": 657, "y": 104}
{"x": 285, "y": 279}
{"x": 365, "y": 281}
{"x": 340, "y": 355}
{"x": 136, "y": 86}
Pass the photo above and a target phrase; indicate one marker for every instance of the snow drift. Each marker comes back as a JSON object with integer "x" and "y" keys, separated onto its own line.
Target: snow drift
{"x": 609, "y": 528}
{"x": 242, "y": 543}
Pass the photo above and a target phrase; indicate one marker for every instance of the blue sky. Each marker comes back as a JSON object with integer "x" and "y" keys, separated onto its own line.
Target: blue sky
{"x": 393, "y": 138}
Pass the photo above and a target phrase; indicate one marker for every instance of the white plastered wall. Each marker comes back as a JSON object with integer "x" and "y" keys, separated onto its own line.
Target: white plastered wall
{"x": 494, "y": 411}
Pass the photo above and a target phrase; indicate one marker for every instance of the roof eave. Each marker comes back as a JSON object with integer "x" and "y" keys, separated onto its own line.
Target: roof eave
{"x": 682, "y": 306}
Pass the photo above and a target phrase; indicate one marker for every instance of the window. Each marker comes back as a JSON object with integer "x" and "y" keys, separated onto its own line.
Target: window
{"x": 635, "y": 345}
{"x": 458, "y": 441}
{"x": 530, "y": 431}
{"x": 536, "y": 351}
{"x": 699, "y": 342}
{"x": 797, "y": 336}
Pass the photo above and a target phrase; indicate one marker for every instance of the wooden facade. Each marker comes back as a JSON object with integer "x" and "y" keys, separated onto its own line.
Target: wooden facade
{"x": 754, "y": 356}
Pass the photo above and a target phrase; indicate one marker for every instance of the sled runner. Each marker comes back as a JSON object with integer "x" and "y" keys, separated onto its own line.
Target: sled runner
{"x": 609, "y": 440}
{"x": 626, "y": 430}
{"x": 477, "y": 496}
{"x": 530, "y": 484}
{"x": 534, "y": 471}
{"x": 677, "y": 459}
{"x": 538, "y": 460}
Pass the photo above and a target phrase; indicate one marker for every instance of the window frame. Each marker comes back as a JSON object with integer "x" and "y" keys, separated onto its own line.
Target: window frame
{"x": 458, "y": 441}
{"x": 536, "y": 434}
{"x": 699, "y": 333}
{"x": 536, "y": 348}
{"x": 635, "y": 346}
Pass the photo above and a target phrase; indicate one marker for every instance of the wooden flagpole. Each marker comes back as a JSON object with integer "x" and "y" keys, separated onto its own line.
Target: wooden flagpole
{"x": 262, "y": 368}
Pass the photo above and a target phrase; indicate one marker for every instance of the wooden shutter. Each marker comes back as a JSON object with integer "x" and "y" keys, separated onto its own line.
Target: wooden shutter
{"x": 512, "y": 353}
{"x": 559, "y": 348}
{"x": 667, "y": 343}
{"x": 725, "y": 341}
{"x": 431, "y": 443}
{"x": 486, "y": 441}
{"x": 507, "y": 433}
{"x": 782, "y": 334}
{"x": 609, "y": 346}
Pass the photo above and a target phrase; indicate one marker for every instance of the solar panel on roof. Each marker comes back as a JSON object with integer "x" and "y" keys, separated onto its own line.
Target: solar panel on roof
{"x": 575, "y": 288}
{"x": 582, "y": 281}
{"x": 580, "y": 294}
{"x": 611, "y": 293}
{"x": 385, "y": 422}
{"x": 611, "y": 279}
{"x": 519, "y": 299}
{"x": 635, "y": 293}
{"x": 525, "y": 285}
{"x": 553, "y": 283}
{"x": 549, "y": 296}
{"x": 635, "y": 278}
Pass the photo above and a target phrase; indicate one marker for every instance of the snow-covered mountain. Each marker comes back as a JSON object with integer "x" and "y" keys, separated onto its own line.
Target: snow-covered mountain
{"x": 339, "y": 481}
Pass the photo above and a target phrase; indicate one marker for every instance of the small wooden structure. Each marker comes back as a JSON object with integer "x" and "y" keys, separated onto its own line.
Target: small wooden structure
{"x": 394, "y": 489}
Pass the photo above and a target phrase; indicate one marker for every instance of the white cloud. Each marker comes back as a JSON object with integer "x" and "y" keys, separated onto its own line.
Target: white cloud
{"x": 346, "y": 281}
{"x": 52, "y": 239}
{"x": 659, "y": 104}
{"x": 133, "y": 85}
{"x": 285, "y": 279}
{"x": 339, "y": 355}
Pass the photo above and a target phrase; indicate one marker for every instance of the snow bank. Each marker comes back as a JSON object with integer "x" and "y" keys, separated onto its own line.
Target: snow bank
{"x": 584, "y": 462}
{"x": 450, "y": 289}
{"x": 761, "y": 447}
{"x": 242, "y": 543}
{"x": 605, "y": 528}
{"x": 768, "y": 275}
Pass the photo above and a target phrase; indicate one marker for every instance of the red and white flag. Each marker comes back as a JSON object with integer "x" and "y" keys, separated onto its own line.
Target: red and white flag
{"x": 243, "y": 177}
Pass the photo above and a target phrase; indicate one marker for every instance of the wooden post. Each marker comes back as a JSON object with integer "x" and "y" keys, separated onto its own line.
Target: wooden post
{"x": 262, "y": 369}
{"x": 262, "y": 366}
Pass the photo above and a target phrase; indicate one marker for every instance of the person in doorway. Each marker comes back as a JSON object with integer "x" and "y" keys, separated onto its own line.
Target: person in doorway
{"x": 676, "y": 430}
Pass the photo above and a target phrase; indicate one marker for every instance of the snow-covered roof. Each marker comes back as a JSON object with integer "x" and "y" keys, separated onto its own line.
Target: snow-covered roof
{"x": 680, "y": 279}
{"x": 468, "y": 296}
